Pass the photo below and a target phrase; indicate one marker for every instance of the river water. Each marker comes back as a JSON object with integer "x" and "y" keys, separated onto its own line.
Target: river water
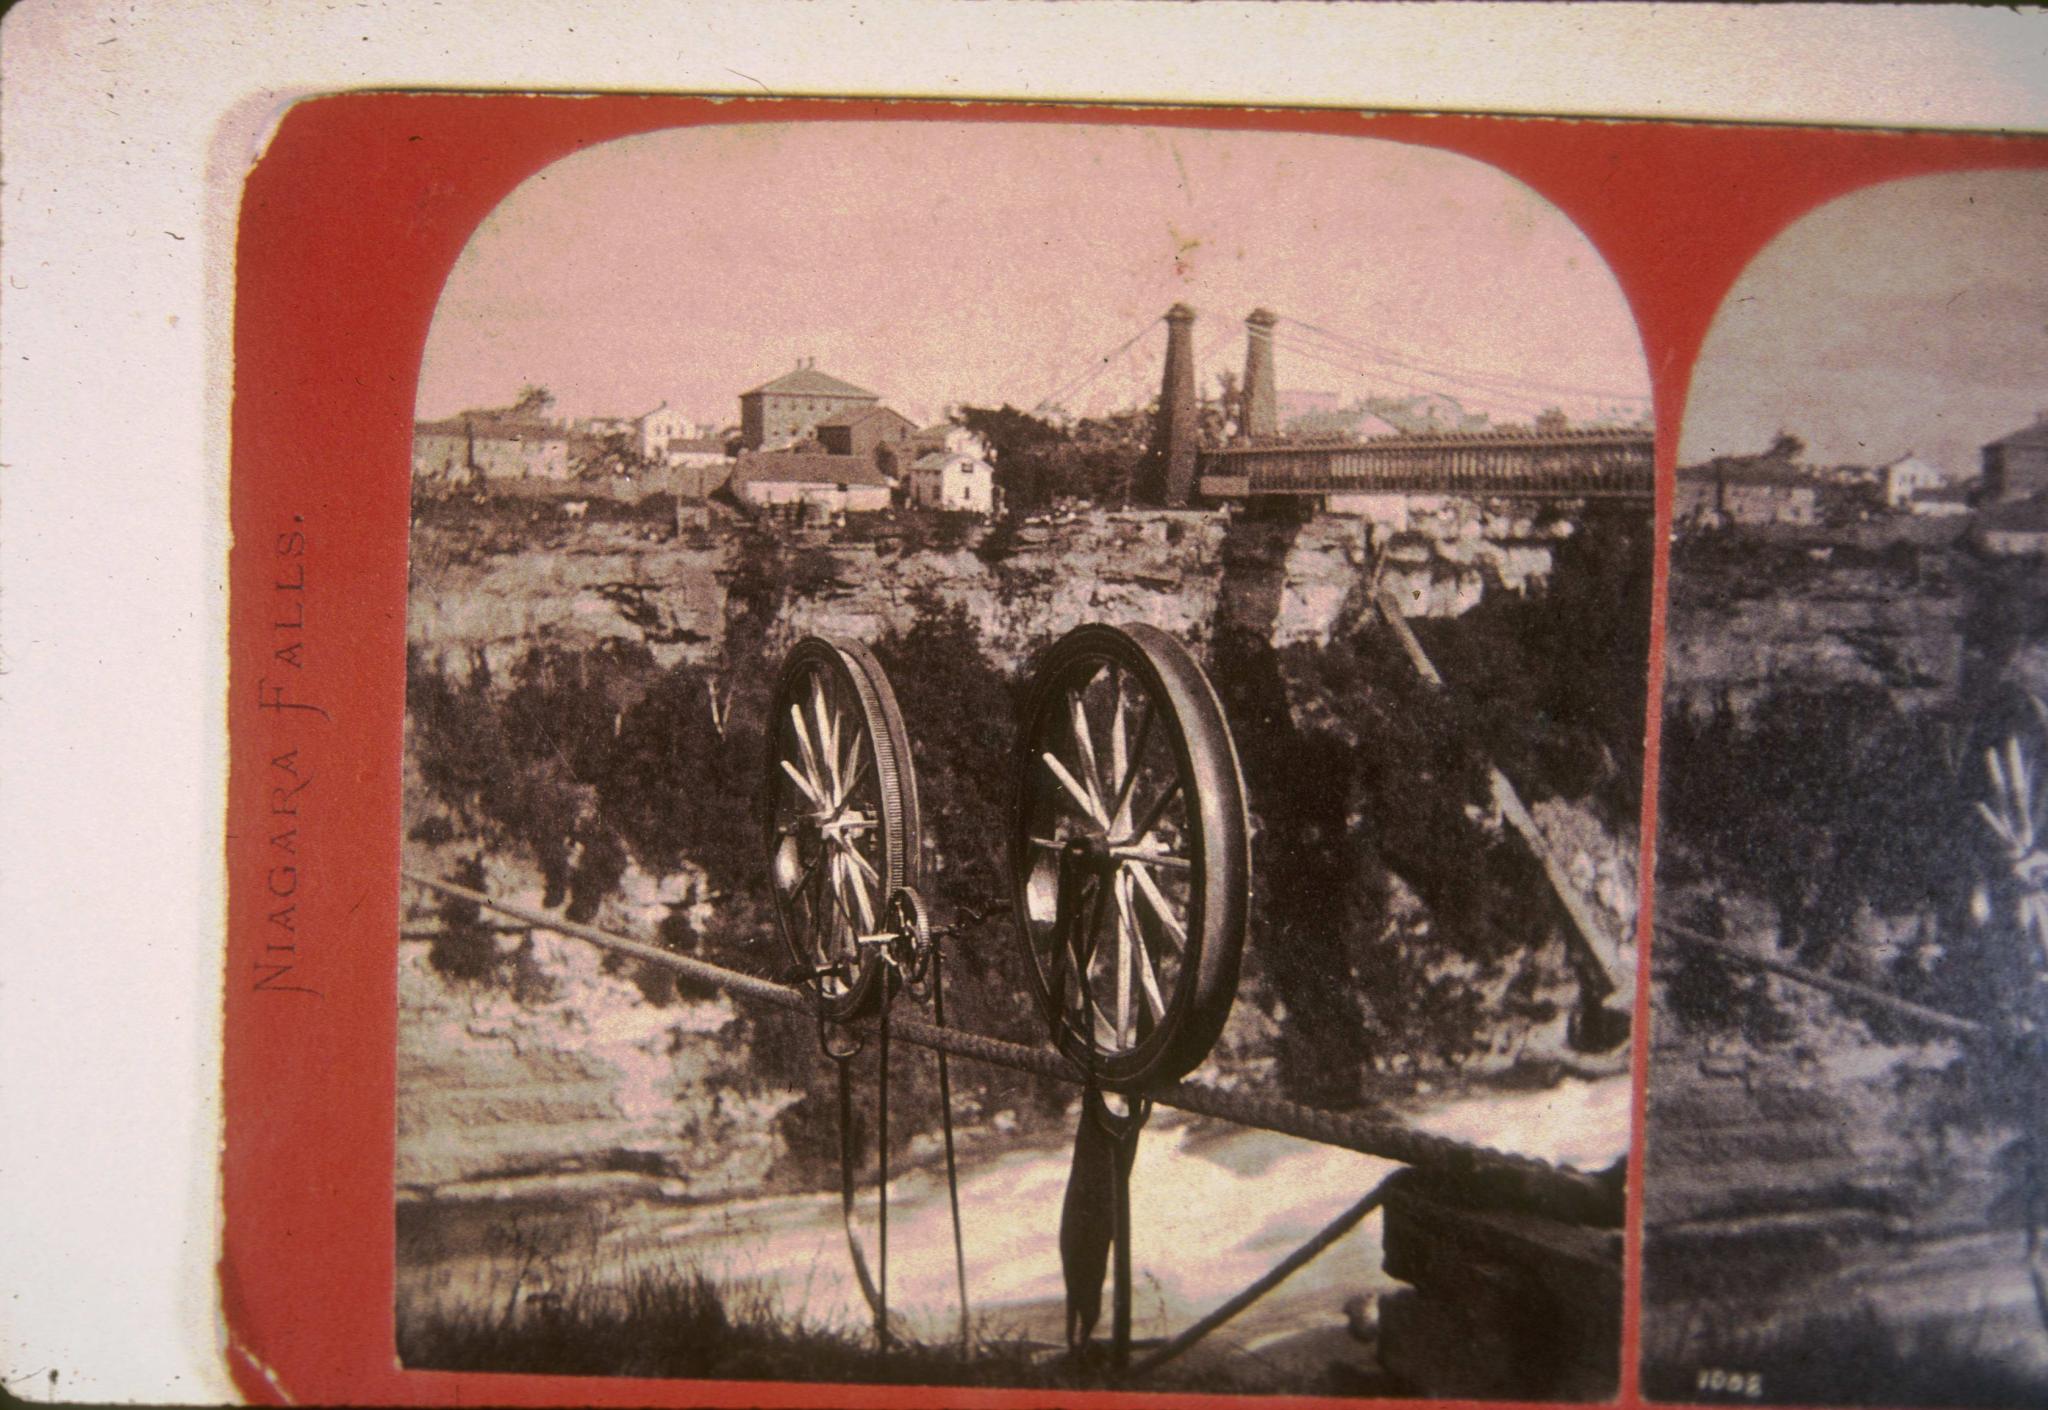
{"x": 1213, "y": 1207}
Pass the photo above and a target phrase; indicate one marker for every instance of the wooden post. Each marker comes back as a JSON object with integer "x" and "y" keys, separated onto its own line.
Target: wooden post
{"x": 1598, "y": 954}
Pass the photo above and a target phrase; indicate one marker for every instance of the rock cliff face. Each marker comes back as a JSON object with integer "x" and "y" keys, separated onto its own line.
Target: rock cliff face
{"x": 579, "y": 1078}
{"x": 1159, "y": 566}
{"x": 607, "y": 584}
{"x": 1857, "y": 628}
{"x": 1163, "y": 566}
{"x": 1785, "y": 1188}
{"x": 572, "y": 1076}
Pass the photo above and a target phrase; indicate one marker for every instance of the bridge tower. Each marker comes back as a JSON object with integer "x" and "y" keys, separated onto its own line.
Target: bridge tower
{"x": 1167, "y": 475}
{"x": 1258, "y": 417}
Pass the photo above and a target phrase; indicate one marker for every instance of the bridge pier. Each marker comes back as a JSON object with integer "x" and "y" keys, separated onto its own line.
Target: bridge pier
{"x": 1259, "y": 416}
{"x": 1502, "y": 1301}
{"x": 1167, "y": 475}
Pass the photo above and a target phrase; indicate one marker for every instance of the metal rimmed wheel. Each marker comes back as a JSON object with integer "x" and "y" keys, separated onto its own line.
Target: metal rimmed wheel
{"x": 1130, "y": 853}
{"x": 842, "y": 820}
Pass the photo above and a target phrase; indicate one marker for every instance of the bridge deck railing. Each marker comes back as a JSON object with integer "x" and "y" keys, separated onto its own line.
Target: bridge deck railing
{"x": 1562, "y": 463}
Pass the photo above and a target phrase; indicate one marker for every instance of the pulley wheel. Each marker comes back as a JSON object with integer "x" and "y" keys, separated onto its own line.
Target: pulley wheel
{"x": 842, "y": 820}
{"x": 1130, "y": 799}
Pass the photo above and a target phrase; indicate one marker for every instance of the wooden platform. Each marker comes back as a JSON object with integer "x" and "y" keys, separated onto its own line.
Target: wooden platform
{"x": 1500, "y": 1302}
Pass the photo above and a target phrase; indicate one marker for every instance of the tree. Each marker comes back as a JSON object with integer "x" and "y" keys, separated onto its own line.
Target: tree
{"x": 1784, "y": 449}
{"x": 1225, "y": 415}
{"x": 615, "y": 453}
{"x": 533, "y": 400}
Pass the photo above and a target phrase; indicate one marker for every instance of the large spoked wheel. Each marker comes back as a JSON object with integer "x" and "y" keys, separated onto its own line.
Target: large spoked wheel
{"x": 1131, "y": 853}
{"x": 842, "y": 820}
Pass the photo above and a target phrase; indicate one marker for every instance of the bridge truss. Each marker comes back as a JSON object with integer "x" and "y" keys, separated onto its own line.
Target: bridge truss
{"x": 1573, "y": 464}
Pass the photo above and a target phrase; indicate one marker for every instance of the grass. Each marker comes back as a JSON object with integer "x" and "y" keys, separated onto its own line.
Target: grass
{"x": 679, "y": 1324}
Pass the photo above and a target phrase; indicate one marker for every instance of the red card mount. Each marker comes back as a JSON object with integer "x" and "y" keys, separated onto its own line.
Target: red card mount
{"x": 351, "y": 223}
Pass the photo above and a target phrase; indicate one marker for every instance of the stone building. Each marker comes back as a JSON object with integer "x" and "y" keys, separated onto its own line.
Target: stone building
{"x": 812, "y": 486}
{"x": 440, "y": 452}
{"x": 694, "y": 450}
{"x": 489, "y": 446}
{"x": 1753, "y": 495}
{"x": 1943, "y": 501}
{"x": 865, "y": 431}
{"x": 2014, "y": 527}
{"x": 789, "y": 408}
{"x": 2016, "y": 466}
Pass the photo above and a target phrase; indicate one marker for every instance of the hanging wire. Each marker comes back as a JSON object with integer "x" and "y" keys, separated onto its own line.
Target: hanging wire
{"x": 1380, "y": 378}
{"x": 1097, "y": 367}
{"x": 1463, "y": 375}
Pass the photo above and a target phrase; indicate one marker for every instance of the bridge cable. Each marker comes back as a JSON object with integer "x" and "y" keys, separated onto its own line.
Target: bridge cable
{"x": 1451, "y": 371}
{"x": 1386, "y": 372}
{"x": 1465, "y": 394}
{"x": 1098, "y": 366}
{"x": 1385, "y": 379}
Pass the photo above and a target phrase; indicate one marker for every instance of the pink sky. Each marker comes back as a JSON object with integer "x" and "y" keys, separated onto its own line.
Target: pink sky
{"x": 982, "y": 263}
{"x": 1911, "y": 316}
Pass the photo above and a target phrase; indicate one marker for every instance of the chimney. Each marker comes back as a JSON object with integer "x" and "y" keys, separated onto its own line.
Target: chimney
{"x": 1168, "y": 473}
{"x": 1259, "y": 416}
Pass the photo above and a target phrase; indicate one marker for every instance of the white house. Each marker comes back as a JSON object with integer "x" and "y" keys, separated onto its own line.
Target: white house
{"x": 660, "y": 426}
{"x": 1906, "y": 477}
{"x": 953, "y": 480}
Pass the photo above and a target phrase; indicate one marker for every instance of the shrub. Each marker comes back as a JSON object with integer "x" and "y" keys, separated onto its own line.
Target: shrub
{"x": 434, "y": 830}
{"x": 814, "y": 574}
{"x": 466, "y": 948}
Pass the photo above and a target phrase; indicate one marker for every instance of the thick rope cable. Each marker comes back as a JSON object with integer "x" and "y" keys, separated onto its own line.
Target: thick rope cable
{"x": 1562, "y": 1193}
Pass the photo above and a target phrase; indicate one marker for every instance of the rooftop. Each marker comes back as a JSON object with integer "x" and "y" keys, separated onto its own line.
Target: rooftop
{"x": 807, "y": 381}
{"x": 1772, "y": 476}
{"x": 802, "y": 468}
{"x": 854, "y": 415}
{"x": 489, "y": 426}
{"x": 2031, "y": 437}
{"x": 939, "y": 459}
{"x": 700, "y": 445}
{"x": 1957, "y": 492}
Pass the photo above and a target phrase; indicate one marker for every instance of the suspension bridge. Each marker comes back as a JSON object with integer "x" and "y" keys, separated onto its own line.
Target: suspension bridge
{"x": 1545, "y": 458}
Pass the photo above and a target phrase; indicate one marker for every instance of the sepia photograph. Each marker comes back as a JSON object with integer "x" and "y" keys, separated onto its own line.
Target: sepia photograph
{"x": 1846, "y": 1191}
{"x": 1023, "y": 763}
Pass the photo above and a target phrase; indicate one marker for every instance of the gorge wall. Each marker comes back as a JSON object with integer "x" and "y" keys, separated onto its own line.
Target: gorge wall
{"x": 604, "y": 581}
